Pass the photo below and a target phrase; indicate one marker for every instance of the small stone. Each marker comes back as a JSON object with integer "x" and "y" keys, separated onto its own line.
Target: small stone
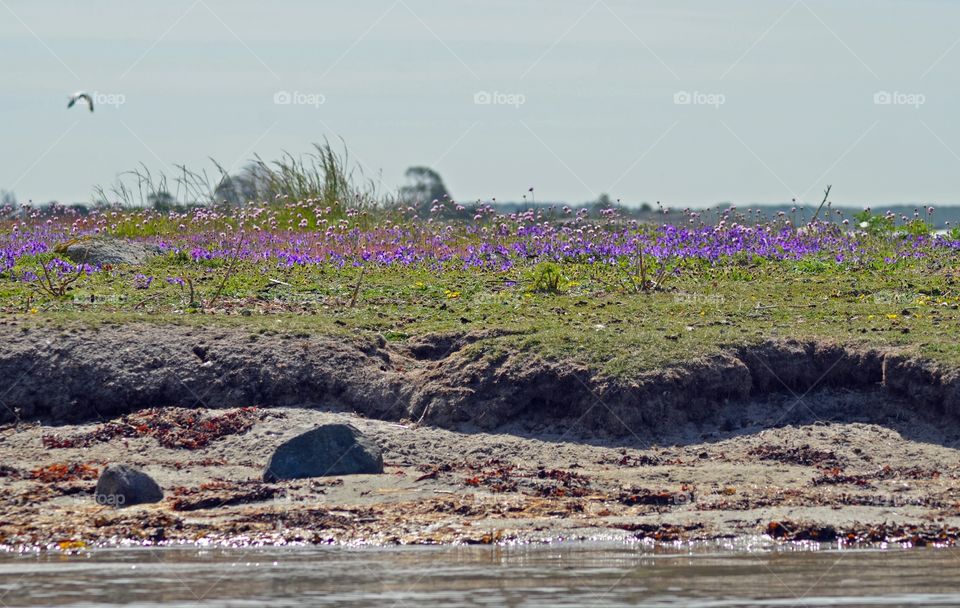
{"x": 328, "y": 450}
{"x": 121, "y": 486}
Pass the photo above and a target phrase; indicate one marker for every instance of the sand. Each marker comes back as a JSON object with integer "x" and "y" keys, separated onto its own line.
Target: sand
{"x": 834, "y": 465}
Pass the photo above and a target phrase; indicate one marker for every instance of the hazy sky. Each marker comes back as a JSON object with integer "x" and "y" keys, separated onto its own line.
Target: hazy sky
{"x": 584, "y": 97}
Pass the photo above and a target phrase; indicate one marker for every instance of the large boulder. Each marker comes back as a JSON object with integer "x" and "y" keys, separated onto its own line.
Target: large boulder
{"x": 121, "y": 486}
{"x": 105, "y": 250}
{"x": 331, "y": 449}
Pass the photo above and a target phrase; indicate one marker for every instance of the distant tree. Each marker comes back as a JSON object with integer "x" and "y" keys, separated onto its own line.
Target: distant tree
{"x": 162, "y": 201}
{"x": 229, "y": 190}
{"x": 603, "y": 202}
{"x": 425, "y": 186}
{"x": 250, "y": 184}
{"x": 646, "y": 208}
{"x": 7, "y": 199}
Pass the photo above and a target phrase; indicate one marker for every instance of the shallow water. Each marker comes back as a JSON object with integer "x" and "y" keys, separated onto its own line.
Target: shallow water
{"x": 564, "y": 575}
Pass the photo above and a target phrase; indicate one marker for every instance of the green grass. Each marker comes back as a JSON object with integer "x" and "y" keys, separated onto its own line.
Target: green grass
{"x": 587, "y": 316}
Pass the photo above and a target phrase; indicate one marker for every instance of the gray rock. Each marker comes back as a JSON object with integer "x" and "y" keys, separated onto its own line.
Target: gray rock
{"x": 331, "y": 449}
{"x": 106, "y": 250}
{"x": 121, "y": 485}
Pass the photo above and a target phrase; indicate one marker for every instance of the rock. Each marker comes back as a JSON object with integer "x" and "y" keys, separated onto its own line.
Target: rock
{"x": 104, "y": 250}
{"x": 331, "y": 449}
{"x": 121, "y": 485}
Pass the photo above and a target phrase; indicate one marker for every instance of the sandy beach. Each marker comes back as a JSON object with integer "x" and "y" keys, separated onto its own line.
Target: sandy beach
{"x": 892, "y": 478}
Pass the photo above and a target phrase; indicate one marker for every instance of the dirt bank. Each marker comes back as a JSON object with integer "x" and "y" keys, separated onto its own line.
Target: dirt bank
{"x": 450, "y": 381}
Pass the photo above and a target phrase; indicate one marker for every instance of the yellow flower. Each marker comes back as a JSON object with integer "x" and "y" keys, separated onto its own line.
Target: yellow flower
{"x": 892, "y": 317}
{"x": 33, "y": 311}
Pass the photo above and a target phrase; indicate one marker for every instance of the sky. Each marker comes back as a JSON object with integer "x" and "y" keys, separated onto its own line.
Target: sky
{"x": 690, "y": 102}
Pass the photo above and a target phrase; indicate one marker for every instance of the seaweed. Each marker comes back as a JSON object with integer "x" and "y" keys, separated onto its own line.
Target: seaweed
{"x": 567, "y": 484}
{"x": 659, "y": 498}
{"x": 914, "y": 535}
{"x": 221, "y": 494}
{"x": 803, "y": 455}
{"x": 10, "y": 472}
{"x": 173, "y": 427}
{"x": 60, "y": 472}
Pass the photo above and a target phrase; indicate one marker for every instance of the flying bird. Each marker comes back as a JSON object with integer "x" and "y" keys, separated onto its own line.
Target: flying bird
{"x": 81, "y": 96}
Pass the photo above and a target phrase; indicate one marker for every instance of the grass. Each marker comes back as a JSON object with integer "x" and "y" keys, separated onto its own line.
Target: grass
{"x": 584, "y": 314}
{"x": 325, "y": 176}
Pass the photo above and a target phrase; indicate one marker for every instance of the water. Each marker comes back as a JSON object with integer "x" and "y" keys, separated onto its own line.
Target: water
{"x": 565, "y": 575}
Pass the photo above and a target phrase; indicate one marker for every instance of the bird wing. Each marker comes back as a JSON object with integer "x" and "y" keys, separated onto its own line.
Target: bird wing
{"x": 83, "y": 96}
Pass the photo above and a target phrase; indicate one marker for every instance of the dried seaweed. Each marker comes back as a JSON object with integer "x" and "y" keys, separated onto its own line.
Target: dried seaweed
{"x": 173, "y": 427}
{"x": 61, "y": 472}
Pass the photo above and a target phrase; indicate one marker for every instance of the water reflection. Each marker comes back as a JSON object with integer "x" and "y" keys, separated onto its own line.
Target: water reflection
{"x": 566, "y": 575}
